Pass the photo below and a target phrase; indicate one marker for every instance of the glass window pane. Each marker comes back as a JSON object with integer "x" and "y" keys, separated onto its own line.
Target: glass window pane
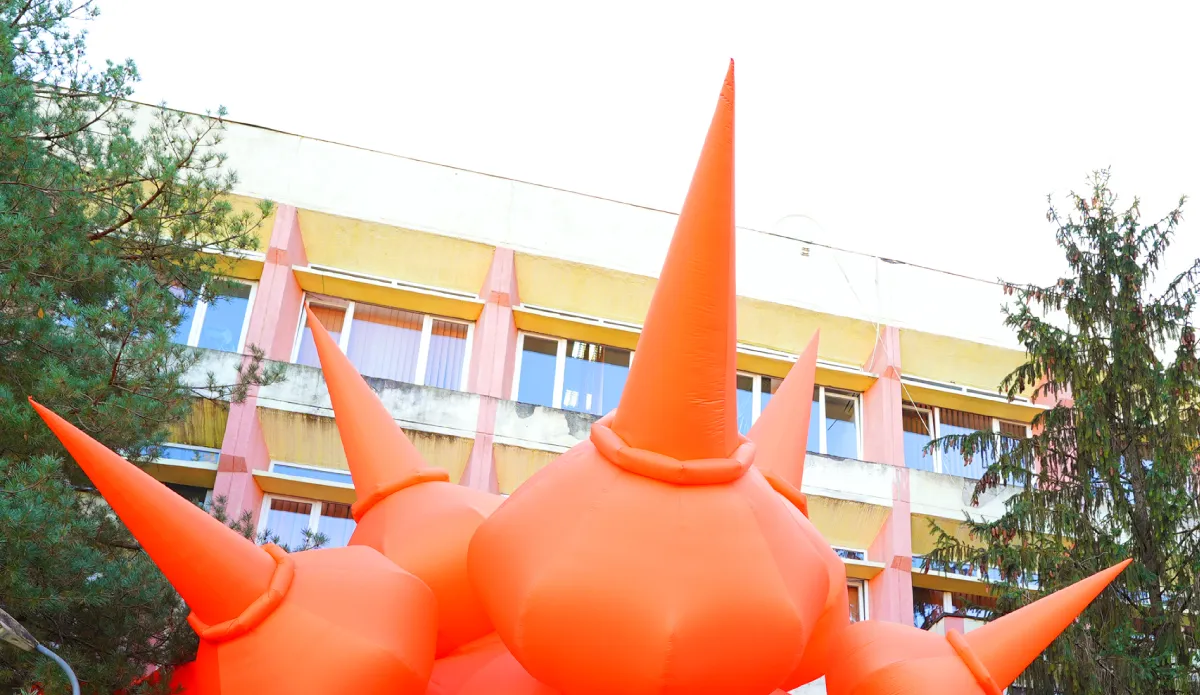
{"x": 180, "y": 453}
{"x": 745, "y": 396}
{"x": 855, "y": 592}
{"x": 958, "y": 422}
{"x": 538, "y": 358}
{"x": 384, "y": 342}
{"x": 814, "y": 422}
{"x": 593, "y": 377}
{"x": 447, "y": 349}
{"x": 841, "y": 432}
{"x": 191, "y": 493}
{"x": 768, "y": 386}
{"x": 336, "y": 523}
{"x": 224, "y": 318}
{"x": 184, "y": 329}
{"x": 331, "y": 319}
{"x": 288, "y": 520}
{"x": 331, "y": 476}
{"x": 918, "y": 425}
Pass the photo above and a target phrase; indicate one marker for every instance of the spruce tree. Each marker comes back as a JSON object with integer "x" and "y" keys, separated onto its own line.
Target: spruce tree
{"x": 111, "y": 220}
{"x": 1110, "y": 471}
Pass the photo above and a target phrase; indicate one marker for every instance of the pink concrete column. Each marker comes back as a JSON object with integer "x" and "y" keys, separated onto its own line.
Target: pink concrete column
{"x": 891, "y": 591}
{"x": 883, "y": 429}
{"x": 883, "y": 442}
{"x": 493, "y": 359}
{"x": 273, "y": 320}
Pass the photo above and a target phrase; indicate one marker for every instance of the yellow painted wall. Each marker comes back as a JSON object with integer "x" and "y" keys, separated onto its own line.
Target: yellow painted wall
{"x": 789, "y": 328}
{"x": 242, "y": 204}
{"x": 583, "y": 289}
{"x": 515, "y": 465}
{"x": 312, "y": 440}
{"x": 203, "y": 426}
{"x": 955, "y": 360}
{"x": 394, "y": 252}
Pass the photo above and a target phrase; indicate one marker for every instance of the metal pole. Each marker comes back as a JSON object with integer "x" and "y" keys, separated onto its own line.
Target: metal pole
{"x": 66, "y": 667}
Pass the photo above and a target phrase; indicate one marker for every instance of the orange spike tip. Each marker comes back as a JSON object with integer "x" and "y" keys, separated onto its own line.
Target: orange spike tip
{"x": 680, "y": 398}
{"x": 382, "y": 460}
{"x": 216, "y": 571}
{"x": 780, "y": 434}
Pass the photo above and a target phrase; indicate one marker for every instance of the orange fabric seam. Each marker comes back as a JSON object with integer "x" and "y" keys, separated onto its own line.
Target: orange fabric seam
{"x": 973, "y": 663}
{"x": 256, "y": 612}
{"x": 650, "y": 464}
{"x": 789, "y": 491}
{"x": 427, "y": 475}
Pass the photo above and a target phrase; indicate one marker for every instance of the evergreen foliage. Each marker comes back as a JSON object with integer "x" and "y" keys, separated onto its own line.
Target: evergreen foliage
{"x": 1111, "y": 470}
{"x": 104, "y": 211}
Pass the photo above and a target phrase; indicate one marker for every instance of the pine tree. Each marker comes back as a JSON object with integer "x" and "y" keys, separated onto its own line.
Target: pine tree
{"x": 1111, "y": 469}
{"x": 111, "y": 220}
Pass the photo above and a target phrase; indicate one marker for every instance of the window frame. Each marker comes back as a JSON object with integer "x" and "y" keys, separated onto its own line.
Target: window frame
{"x": 864, "y": 599}
{"x": 427, "y": 320}
{"x": 201, "y": 311}
{"x": 314, "y": 515}
{"x": 318, "y": 481}
{"x": 822, "y": 445}
{"x": 936, "y": 412}
{"x": 189, "y": 463}
{"x": 560, "y": 365}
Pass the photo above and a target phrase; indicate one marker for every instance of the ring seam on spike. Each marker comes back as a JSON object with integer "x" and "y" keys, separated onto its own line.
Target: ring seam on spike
{"x": 650, "y": 464}
{"x": 255, "y": 613}
{"x": 788, "y": 491}
{"x": 426, "y": 475}
{"x": 973, "y": 663}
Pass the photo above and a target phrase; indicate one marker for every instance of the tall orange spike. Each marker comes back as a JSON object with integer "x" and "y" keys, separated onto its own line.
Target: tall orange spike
{"x": 218, "y": 572}
{"x": 781, "y": 431}
{"x": 1007, "y": 646}
{"x": 680, "y": 398}
{"x": 382, "y": 459}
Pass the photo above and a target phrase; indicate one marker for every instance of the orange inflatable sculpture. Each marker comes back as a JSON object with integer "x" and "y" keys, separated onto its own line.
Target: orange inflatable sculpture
{"x": 665, "y": 555}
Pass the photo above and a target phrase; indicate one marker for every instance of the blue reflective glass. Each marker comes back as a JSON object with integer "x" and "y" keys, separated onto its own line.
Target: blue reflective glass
{"x": 593, "y": 377}
{"x": 288, "y": 520}
{"x": 536, "y": 384}
{"x": 185, "y": 324}
{"x": 223, "y": 320}
{"x": 917, "y": 433}
{"x": 745, "y": 402}
{"x": 953, "y": 462}
{"x": 814, "y": 423}
{"x": 336, "y": 524}
{"x": 179, "y": 453}
{"x": 841, "y": 430}
{"x": 311, "y": 473}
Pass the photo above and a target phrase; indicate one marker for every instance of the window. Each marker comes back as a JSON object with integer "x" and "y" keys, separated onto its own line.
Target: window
{"x": 200, "y": 496}
{"x": 570, "y": 374}
{"x": 188, "y": 454}
{"x": 931, "y": 605}
{"x": 833, "y": 430}
{"x": 754, "y": 391}
{"x": 325, "y": 475}
{"x": 388, "y": 343}
{"x": 922, "y": 424}
{"x": 858, "y": 599}
{"x": 217, "y": 325}
{"x": 288, "y": 518}
{"x": 918, "y": 432}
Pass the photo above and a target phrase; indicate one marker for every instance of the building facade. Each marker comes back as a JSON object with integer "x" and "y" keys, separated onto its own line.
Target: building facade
{"x": 497, "y": 319}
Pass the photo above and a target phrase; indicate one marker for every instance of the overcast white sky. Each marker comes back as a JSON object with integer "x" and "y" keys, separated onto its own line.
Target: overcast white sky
{"x": 928, "y": 132}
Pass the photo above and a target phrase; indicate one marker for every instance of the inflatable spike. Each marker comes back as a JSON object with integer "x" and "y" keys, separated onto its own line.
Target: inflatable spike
{"x": 781, "y": 440}
{"x": 382, "y": 460}
{"x": 406, "y": 509}
{"x": 781, "y": 431}
{"x": 653, "y": 558}
{"x": 877, "y": 658}
{"x": 1008, "y": 645}
{"x": 321, "y": 621}
{"x": 216, "y": 571}
{"x": 680, "y": 396}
